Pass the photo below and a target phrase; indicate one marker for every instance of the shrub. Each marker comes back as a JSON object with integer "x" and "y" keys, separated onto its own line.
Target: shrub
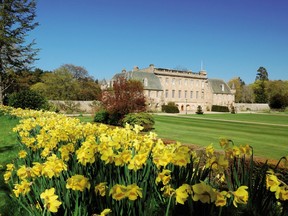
{"x": 145, "y": 120}
{"x": 199, "y": 110}
{"x": 28, "y": 99}
{"x": 218, "y": 108}
{"x": 101, "y": 117}
{"x": 170, "y": 108}
{"x": 233, "y": 110}
{"x": 278, "y": 101}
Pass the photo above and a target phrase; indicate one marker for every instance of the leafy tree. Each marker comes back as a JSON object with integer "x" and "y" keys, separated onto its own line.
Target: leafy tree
{"x": 89, "y": 90}
{"x": 238, "y": 84}
{"x": 17, "y": 19}
{"x": 262, "y": 74}
{"x": 259, "y": 86}
{"x": 58, "y": 85}
{"x": 126, "y": 96}
{"x": 247, "y": 94}
{"x": 78, "y": 72}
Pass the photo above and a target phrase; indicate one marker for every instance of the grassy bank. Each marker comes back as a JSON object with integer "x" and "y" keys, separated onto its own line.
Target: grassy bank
{"x": 8, "y": 152}
{"x": 266, "y": 133}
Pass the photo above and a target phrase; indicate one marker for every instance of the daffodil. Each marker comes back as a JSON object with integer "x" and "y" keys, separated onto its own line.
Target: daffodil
{"x": 78, "y": 182}
{"x": 209, "y": 150}
{"x": 272, "y": 182}
{"x": 105, "y": 212}
{"x": 24, "y": 172}
{"x": 22, "y": 188}
{"x": 133, "y": 191}
{"x": 50, "y": 199}
{"x": 203, "y": 192}
{"x": 221, "y": 198}
{"x": 101, "y": 188}
{"x": 163, "y": 177}
{"x": 168, "y": 191}
{"x": 283, "y": 195}
{"x": 182, "y": 193}
{"x": 118, "y": 192}
{"x": 22, "y": 154}
{"x": 240, "y": 196}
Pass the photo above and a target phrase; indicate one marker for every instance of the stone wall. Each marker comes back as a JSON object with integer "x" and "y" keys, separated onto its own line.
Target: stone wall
{"x": 251, "y": 106}
{"x": 76, "y": 106}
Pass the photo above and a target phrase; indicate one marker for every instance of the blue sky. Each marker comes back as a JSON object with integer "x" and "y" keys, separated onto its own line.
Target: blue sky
{"x": 231, "y": 37}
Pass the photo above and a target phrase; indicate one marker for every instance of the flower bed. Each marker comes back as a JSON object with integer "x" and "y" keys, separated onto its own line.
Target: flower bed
{"x": 67, "y": 167}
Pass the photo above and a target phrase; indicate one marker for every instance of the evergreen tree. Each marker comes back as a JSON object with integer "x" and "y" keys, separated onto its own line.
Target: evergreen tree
{"x": 259, "y": 86}
{"x": 17, "y": 19}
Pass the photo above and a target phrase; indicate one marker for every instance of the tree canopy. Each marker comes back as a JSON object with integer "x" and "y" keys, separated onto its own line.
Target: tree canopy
{"x": 17, "y": 19}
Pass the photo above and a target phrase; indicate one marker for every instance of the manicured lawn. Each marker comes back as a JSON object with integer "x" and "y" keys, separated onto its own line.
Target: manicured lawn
{"x": 268, "y": 139}
{"x": 8, "y": 151}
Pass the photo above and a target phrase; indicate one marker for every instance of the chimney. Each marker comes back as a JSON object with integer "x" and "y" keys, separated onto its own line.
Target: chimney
{"x": 136, "y": 68}
{"x": 124, "y": 70}
{"x": 151, "y": 68}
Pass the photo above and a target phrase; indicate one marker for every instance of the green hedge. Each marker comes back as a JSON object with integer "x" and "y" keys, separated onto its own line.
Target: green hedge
{"x": 218, "y": 108}
{"x": 170, "y": 108}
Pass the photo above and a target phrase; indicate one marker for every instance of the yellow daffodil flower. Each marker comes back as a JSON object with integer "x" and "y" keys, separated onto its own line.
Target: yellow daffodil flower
{"x": 105, "y": 212}
{"x": 182, "y": 193}
{"x": 118, "y": 192}
{"x": 50, "y": 199}
{"x": 133, "y": 191}
{"x": 22, "y": 154}
{"x": 203, "y": 192}
{"x": 22, "y": 188}
{"x": 78, "y": 182}
{"x": 240, "y": 196}
{"x": 101, "y": 188}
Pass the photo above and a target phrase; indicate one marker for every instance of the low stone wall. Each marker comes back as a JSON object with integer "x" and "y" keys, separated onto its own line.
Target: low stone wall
{"x": 75, "y": 106}
{"x": 251, "y": 107}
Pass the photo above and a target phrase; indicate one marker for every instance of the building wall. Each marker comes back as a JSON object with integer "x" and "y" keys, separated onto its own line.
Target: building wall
{"x": 186, "y": 89}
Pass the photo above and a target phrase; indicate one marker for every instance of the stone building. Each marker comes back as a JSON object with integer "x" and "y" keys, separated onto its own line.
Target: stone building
{"x": 186, "y": 88}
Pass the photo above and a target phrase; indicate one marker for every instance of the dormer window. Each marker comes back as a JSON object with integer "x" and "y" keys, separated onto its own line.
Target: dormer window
{"x": 222, "y": 87}
{"x": 145, "y": 82}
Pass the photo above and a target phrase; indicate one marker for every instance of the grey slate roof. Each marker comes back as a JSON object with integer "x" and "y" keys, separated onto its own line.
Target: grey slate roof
{"x": 218, "y": 86}
{"x": 153, "y": 81}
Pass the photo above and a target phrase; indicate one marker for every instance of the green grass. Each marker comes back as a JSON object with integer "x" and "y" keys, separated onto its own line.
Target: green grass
{"x": 268, "y": 139}
{"x": 8, "y": 152}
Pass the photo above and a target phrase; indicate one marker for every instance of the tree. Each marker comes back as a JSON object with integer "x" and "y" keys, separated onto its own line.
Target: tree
{"x": 17, "y": 19}
{"x": 58, "y": 85}
{"x": 262, "y": 74}
{"x": 238, "y": 84}
{"x": 126, "y": 96}
{"x": 89, "y": 90}
{"x": 259, "y": 86}
{"x": 78, "y": 72}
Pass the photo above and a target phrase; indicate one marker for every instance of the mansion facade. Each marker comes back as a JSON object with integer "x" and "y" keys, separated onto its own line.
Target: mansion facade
{"x": 186, "y": 89}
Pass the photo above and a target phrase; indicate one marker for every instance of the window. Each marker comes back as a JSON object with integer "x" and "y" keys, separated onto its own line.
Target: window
{"x": 157, "y": 94}
{"x": 179, "y": 94}
{"x": 191, "y": 82}
{"x": 222, "y": 87}
{"x": 191, "y": 94}
{"x": 202, "y": 84}
{"x": 185, "y": 94}
{"x": 166, "y": 80}
{"x": 166, "y": 93}
{"x": 185, "y": 82}
{"x": 145, "y": 82}
{"x": 179, "y": 81}
{"x": 197, "y": 94}
{"x": 173, "y": 93}
{"x": 173, "y": 81}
